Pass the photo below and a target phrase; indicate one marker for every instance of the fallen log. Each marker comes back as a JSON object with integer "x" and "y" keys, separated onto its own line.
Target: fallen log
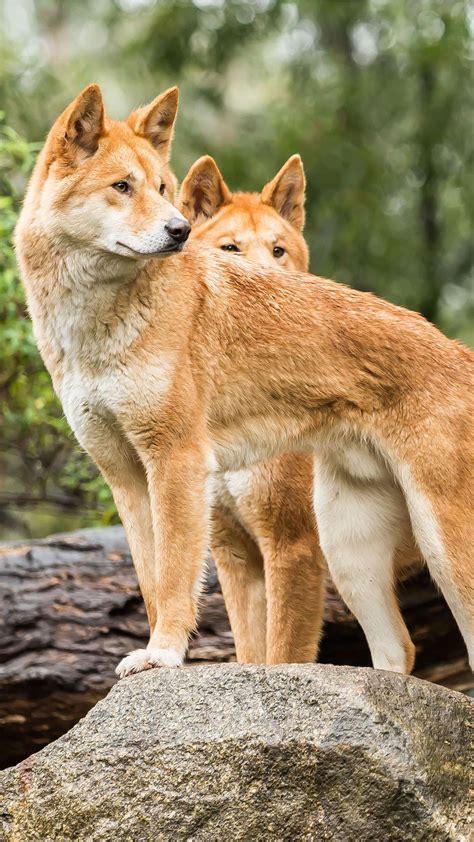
{"x": 70, "y": 608}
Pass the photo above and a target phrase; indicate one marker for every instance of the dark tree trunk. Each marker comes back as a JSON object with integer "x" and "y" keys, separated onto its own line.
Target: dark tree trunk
{"x": 429, "y": 210}
{"x": 70, "y": 609}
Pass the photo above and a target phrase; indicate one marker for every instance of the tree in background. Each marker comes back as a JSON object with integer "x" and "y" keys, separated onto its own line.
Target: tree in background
{"x": 376, "y": 95}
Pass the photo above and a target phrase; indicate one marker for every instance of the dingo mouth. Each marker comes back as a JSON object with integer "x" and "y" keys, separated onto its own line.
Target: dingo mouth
{"x": 171, "y": 249}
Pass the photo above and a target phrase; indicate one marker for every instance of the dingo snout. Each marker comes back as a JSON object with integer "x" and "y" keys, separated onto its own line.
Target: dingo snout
{"x": 161, "y": 239}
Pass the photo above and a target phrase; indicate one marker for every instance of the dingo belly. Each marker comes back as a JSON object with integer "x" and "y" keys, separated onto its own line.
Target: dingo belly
{"x": 257, "y": 438}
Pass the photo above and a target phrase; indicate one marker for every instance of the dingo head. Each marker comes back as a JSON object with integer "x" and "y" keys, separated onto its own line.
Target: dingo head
{"x": 107, "y": 185}
{"x": 264, "y": 227}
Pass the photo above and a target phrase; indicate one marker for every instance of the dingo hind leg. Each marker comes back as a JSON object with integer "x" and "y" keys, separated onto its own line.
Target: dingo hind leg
{"x": 361, "y": 521}
{"x": 444, "y": 531}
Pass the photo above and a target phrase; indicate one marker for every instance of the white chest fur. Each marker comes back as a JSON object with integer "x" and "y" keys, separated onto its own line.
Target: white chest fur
{"x": 114, "y": 397}
{"x": 94, "y": 325}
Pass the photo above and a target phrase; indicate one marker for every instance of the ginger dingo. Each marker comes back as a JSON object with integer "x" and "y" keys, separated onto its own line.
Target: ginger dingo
{"x": 264, "y": 536}
{"x": 174, "y": 367}
{"x": 264, "y": 541}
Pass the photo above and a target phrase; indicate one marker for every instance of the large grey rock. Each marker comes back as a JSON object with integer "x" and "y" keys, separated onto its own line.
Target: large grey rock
{"x": 252, "y": 753}
{"x": 70, "y": 608}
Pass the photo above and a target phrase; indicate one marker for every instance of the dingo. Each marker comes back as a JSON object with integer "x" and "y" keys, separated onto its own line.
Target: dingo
{"x": 264, "y": 538}
{"x": 173, "y": 369}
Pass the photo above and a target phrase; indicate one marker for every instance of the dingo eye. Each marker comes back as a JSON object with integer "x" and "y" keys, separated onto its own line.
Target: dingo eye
{"x": 121, "y": 186}
{"x": 278, "y": 251}
{"x": 230, "y": 247}
{"x": 162, "y": 189}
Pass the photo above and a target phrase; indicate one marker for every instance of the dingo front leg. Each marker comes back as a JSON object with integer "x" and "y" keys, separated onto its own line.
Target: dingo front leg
{"x": 130, "y": 493}
{"x": 121, "y": 467}
{"x": 295, "y": 574}
{"x": 131, "y": 497}
{"x": 177, "y": 476}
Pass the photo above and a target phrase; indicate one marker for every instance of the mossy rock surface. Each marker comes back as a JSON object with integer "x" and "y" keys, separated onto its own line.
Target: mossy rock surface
{"x": 231, "y": 752}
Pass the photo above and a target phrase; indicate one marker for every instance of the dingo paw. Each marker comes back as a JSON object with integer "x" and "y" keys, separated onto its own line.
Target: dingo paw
{"x": 146, "y": 659}
{"x": 164, "y": 657}
{"x": 135, "y": 661}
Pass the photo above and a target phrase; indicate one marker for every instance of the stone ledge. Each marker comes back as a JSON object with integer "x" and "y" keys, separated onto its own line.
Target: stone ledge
{"x": 223, "y": 752}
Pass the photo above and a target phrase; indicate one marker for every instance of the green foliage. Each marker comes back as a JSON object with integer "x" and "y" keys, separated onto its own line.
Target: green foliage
{"x": 41, "y": 460}
{"x": 376, "y": 95}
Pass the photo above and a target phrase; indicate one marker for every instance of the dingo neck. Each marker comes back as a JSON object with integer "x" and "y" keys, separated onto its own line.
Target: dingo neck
{"x": 92, "y": 307}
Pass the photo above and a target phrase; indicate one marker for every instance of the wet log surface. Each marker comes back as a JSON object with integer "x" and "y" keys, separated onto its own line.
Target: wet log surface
{"x": 70, "y": 608}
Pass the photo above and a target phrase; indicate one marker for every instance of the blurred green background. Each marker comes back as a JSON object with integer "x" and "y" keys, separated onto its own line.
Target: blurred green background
{"x": 376, "y": 95}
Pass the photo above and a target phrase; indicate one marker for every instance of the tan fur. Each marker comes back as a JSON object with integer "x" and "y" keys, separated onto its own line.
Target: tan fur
{"x": 264, "y": 538}
{"x": 172, "y": 370}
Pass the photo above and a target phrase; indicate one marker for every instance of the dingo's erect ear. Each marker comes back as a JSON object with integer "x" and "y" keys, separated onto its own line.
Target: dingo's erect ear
{"x": 80, "y": 127}
{"x": 203, "y": 191}
{"x": 156, "y": 121}
{"x": 285, "y": 192}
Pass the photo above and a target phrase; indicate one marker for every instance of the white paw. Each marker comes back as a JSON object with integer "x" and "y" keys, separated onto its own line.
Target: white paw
{"x": 136, "y": 661}
{"x": 164, "y": 657}
{"x": 146, "y": 659}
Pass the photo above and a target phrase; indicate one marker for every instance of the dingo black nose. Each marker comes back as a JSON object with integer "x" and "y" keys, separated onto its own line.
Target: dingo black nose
{"x": 178, "y": 229}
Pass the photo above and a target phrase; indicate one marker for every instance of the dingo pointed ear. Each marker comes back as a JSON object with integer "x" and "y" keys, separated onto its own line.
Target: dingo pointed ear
{"x": 156, "y": 121}
{"x": 285, "y": 192}
{"x": 203, "y": 191}
{"x": 81, "y": 127}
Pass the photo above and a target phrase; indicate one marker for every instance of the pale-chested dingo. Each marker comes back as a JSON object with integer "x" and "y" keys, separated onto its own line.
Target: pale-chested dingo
{"x": 174, "y": 367}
